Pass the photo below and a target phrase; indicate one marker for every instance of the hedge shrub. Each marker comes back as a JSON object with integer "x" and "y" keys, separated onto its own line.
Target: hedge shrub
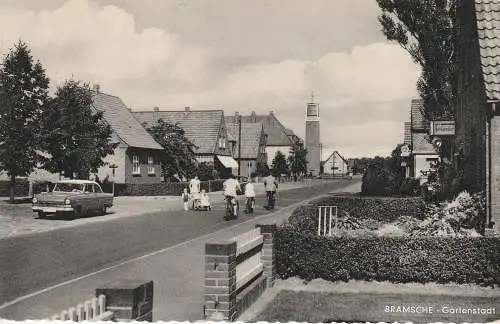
{"x": 159, "y": 189}
{"x": 377, "y": 208}
{"x": 395, "y": 259}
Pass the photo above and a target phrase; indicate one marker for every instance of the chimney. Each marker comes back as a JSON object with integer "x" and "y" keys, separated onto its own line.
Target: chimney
{"x": 186, "y": 108}
{"x": 271, "y": 113}
{"x": 156, "y": 109}
{"x": 96, "y": 88}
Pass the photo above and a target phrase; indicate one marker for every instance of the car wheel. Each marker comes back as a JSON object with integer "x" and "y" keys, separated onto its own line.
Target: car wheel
{"x": 41, "y": 215}
{"x": 104, "y": 210}
{"x": 76, "y": 213}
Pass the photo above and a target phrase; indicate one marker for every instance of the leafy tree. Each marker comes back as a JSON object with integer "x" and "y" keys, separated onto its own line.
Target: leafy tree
{"x": 23, "y": 97}
{"x": 205, "y": 171}
{"x": 262, "y": 169}
{"x": 75, "y": 135}
{"x": 279, "y": 165}
{"x": 426, "y": 30}
{"x": 297, "y": 161}
{"x": 178, "y": 158}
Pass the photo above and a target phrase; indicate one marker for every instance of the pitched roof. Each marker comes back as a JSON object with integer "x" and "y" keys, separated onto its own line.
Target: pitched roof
{"x": 273, "y": 128}
{"x": 250, "y": 138}
{"x": 420, "y": 145}
{"x": 418, "y": 121}
{"x": 201, "y": 127}
{"x": 488, "y": 29}
{"x": 338, "y": 154}
{"x": 123, "y": 122}
{"x": 407, "y": 133}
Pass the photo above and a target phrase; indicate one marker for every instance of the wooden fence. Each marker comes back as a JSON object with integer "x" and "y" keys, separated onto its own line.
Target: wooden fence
{"x": 91, "y": 310}
{"x": 327, "y": 216}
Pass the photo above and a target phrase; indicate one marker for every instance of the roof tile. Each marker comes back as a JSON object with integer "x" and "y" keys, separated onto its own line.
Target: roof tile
{"x": 421, "y": 145}
{"x": 250, "y": 138}
{"x": 123, "y": 122}
{"x": 201, "y": 127}
{"x": 276, "y": 132}
{"x": 418, "y": 121}
{"x": 488, "y": 25}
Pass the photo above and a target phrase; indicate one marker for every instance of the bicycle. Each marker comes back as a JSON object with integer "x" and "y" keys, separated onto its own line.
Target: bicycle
{"x": 232, "y": 208}
{"x": 250, "y": 203}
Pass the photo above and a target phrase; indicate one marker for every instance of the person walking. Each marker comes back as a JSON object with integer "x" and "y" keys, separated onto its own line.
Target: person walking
{"x": 271, "y": 185}
{"x": 194, "y": 190}
{"x": 185, "y": 199}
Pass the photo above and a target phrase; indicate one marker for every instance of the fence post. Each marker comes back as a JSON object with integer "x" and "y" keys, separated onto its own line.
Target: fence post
{"x": 129, "y": 300}
{"x": 220, "y": 281}
{"x": 269, "y": 252}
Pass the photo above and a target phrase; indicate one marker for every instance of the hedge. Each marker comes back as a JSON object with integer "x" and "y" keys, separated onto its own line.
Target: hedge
{"x": 159, "y": 189}
{"x": 395, "y": 259}
{"x": 21, "y": 188}
{"x": 377, "y": 208}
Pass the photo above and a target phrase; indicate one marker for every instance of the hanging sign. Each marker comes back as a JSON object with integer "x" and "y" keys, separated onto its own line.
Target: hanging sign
{"x": 443, "y": 128}
{"x": 405, "y": 150}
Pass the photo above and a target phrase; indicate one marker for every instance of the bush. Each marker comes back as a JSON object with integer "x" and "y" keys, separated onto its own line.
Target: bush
{"x": 410, "y": 187}
{"x": 375, "y": 209}
{"x": 395, "y": 259}
{"x": 163, "y": 188}
{"x": 376, "y": 182}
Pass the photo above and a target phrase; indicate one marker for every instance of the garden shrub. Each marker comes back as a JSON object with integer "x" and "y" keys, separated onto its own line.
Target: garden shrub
{"x": 473, "y": 260}
{"x": 410, "y": 187}
{"x": 376, "y": 182}
{"x": 359, "y": 210}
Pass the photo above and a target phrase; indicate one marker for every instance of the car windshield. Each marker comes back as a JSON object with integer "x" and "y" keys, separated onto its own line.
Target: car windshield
{"x": 68, "y": 187}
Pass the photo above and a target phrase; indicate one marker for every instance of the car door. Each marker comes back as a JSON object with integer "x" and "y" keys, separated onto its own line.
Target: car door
{"x": 98, "y": 197}
{"x": 88, "y": 203}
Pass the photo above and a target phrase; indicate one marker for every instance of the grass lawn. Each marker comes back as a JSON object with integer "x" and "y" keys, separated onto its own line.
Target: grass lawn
{"x": 314, "y": 307}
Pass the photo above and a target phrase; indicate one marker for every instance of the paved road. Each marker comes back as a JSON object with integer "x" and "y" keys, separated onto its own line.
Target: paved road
{"x": 32, "y": 262}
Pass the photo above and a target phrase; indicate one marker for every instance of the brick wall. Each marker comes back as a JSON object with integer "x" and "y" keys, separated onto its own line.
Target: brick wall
{"x": 470, "y": 114}
{"x": 495, "y": 170}
{"x": 144, "y": 176}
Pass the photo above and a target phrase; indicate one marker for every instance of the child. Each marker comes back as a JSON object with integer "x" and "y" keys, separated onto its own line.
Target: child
{"x": 250, "y": 196}
{"x": 205, "y": 201}
{"x": 185, "y": 199}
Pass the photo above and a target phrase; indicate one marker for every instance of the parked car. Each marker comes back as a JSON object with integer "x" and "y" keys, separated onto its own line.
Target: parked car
{"x": 73, "y": 198}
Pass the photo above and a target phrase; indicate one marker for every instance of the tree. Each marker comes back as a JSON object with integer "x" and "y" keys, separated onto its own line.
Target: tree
{"x": 75, "y": 135}
{"x": 23, "y": 96}
{"x": 279, "y": 165}
{"x": 178, "y": 158}
{"x": 261, "y": 168}
{"x": 297, "y": 160}
{"x": 426, "y": 30}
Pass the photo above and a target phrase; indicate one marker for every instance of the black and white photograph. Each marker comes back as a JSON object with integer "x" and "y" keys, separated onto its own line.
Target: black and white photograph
{"x": 319, "y": 161}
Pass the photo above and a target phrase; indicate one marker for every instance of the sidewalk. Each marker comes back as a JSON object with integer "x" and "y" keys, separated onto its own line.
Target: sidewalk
{"x": 17, "y": 219}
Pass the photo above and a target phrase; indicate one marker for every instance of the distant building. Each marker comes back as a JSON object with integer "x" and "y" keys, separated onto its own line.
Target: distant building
{"x": 477, "y": 113}
{"x": 312, "y": 143}
{"x": 279, "y": 138}
{"x": 335, "y": 165}
{"x": 253, "y": 145}
{"x": 422, "y": 153}
{"x": 206, "y": 129}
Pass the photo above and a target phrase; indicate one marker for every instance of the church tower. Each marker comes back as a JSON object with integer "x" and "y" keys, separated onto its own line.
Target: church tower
{"x": 312, "y": 144}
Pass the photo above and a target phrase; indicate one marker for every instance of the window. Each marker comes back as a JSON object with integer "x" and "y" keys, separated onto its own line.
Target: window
{"x": 151, "y": 166}
{"x": 223, "y": 142}
{"x": 136, "y": 167}
{"x": 97, "y": 188}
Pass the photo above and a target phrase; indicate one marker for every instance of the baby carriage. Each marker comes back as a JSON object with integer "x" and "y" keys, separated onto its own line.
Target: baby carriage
{"x": 201, "y": 202}
{"x": 196, "y": 198}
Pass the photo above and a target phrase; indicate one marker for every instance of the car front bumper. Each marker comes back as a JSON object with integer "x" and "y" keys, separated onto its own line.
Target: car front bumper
{"x": 52, "y": 209}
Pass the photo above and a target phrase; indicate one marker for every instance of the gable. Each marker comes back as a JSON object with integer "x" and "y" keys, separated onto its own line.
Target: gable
{"x": 275, "y": 131}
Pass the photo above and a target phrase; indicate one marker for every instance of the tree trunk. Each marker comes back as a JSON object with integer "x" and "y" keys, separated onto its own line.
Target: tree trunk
{"x": 12, "y": 187}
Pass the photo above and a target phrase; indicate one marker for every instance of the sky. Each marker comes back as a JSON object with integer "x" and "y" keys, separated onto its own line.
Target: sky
{"x": 236, "y": 55}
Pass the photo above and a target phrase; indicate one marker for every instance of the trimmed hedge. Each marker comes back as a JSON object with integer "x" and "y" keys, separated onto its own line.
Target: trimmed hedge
{"x": 377, "y": 208}
{"x": 21, "y": 188}
{"x": 395, "y": 259}
{"x": 159, "y": 189}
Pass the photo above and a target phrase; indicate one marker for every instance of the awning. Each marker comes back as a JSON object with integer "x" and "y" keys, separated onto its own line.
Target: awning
{"x": 228, "y": 161}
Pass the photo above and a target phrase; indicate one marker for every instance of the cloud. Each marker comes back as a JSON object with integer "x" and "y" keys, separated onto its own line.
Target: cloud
{"x": 364, "y": 92}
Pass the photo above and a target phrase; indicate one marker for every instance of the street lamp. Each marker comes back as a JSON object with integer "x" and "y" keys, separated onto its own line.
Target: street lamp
{"x": 238, "y": 120}
{"x": 113, "y": 167}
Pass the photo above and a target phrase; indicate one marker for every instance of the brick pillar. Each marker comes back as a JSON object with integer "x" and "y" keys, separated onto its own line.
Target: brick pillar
{"x": 269, "y": 252}
{"x": 129, "y": 300}
{"x": 220, "y": 281}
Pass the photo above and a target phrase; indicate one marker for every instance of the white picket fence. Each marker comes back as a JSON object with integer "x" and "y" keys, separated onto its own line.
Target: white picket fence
{"x": 91, "y": 310}
{"x": 326, "y": 216}
{"x": 252, "y": 266}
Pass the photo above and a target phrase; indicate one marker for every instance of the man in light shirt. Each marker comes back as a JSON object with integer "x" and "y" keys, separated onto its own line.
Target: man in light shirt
{"x": 231, "y": 187}
{"x": 271, "y": 185}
